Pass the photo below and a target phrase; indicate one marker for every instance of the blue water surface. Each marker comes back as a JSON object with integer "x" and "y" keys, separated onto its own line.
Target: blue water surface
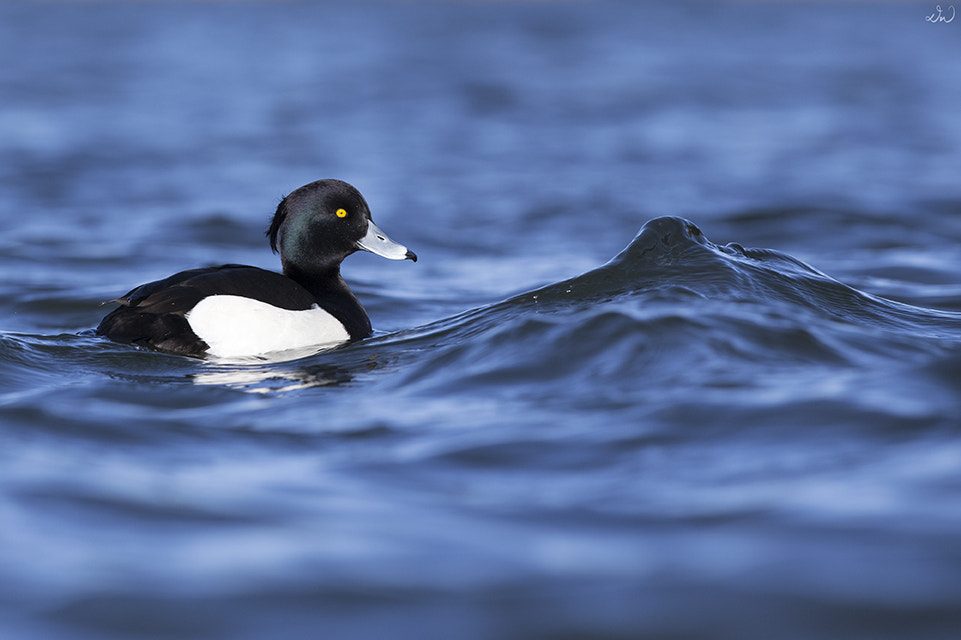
{"x": 681, "y": 357}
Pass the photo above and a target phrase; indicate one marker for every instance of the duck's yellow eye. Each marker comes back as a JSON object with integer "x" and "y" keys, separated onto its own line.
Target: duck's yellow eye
{"x": 341, "y": 213}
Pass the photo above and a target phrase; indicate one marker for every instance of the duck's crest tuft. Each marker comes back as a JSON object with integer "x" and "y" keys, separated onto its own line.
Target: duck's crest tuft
{"x": 273, "y": 232}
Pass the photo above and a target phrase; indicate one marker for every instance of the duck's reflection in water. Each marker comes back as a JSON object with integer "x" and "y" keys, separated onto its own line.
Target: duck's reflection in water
{"x": 286, "y": 371}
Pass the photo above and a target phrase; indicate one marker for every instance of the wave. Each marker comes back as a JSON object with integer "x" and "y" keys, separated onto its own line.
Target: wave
{"x": 671, "y": 269}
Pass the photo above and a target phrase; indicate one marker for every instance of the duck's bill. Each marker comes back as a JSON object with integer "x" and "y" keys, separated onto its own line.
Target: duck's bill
{"x": 376, "y": 241}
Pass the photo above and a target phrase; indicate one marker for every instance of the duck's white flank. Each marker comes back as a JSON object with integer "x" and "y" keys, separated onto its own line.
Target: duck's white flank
{"x": 234, "y": 326}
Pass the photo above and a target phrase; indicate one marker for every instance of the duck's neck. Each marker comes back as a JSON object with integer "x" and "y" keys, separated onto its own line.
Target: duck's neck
{"x": 333, "y": 295}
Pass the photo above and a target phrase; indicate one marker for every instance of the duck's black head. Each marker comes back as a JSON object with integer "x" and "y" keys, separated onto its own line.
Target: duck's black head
{"x": 321, "y": 223}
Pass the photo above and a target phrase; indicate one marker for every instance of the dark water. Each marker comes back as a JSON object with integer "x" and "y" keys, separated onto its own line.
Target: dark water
{"x": 693, "y": 439}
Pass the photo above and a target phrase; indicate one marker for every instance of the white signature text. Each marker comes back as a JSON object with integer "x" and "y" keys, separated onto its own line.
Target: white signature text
{"x": 941, "y": 16}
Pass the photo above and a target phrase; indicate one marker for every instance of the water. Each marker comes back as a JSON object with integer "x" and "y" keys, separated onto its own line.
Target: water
{"x": 557, "y": 431}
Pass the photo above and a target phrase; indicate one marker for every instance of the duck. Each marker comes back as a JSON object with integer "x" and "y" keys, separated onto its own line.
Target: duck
{"x": 234, "y": 310}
